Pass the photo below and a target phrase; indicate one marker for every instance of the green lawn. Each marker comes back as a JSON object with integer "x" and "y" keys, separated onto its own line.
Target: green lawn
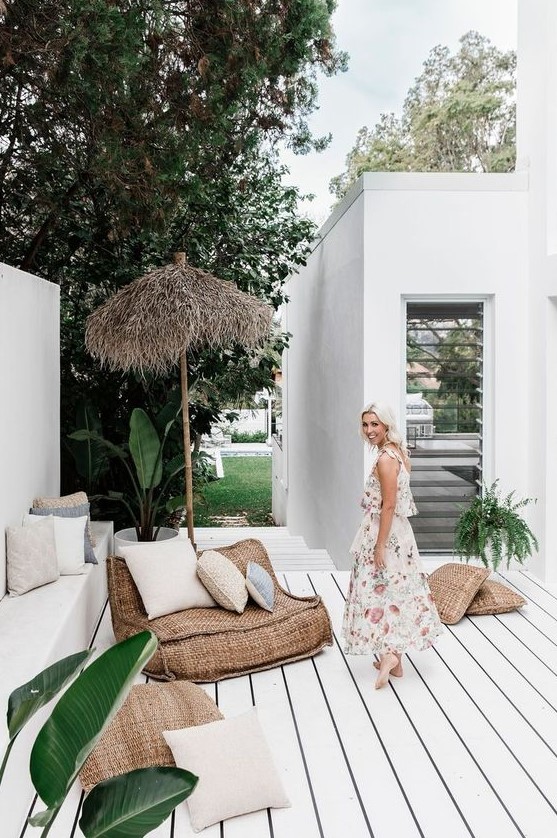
{"x": 242, "y": 497}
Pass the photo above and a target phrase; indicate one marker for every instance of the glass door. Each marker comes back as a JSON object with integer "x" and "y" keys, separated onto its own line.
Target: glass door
{"x": 444, "y": 414}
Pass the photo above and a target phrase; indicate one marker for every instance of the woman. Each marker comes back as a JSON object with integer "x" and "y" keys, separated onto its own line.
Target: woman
{"x": 389, "y": 608}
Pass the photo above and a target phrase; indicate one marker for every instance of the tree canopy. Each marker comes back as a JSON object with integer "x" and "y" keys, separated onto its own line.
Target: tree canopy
{"x": 130, "y": 129}
{"x": 114, "y": 111}
{"x": 459, "y": 116}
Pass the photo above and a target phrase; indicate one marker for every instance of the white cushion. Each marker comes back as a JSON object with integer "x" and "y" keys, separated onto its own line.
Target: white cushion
{"x": 165, "y": 575}
{"x": 223, "y": 580}
{"x": 234, "y": 765}
{"x": 69, "y": 536}
{"x": 31, "y": 556}
{"x": 260, "y": 586}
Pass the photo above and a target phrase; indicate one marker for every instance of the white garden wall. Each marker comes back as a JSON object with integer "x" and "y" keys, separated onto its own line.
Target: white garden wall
{"x": 537, "y": 153}
{"x": 397, "y": 237}
{"x": 30, "y": 392}
{"x": 323, "y": 386}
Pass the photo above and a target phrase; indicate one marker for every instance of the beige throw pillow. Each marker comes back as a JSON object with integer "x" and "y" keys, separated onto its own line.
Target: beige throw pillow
{"x": 165, "y": 575}
{"x": 235, "y": 767}
{"x": 31, "y": 557}
{"x": 223, "y": 580}
{"x": 68, "y": 538}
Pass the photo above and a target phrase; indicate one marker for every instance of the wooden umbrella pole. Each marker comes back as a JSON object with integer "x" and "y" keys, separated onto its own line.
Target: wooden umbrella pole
{"x": 187, "y": 444}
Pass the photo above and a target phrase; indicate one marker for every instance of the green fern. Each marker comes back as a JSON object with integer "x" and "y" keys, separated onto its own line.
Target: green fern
{"x": 492, "y": 529}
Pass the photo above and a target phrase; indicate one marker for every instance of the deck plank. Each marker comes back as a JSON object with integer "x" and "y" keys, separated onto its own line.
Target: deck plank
{"x": 464, "y": 745}
{"x": 387, "y": 811}
{"x": 527, "y": 761}
{"x": 234, "y": 697}
{"x": 276, "y": 716}
{"x": 419, "y": 691}
{"x": 413, "y": 750}
{"x": 339, "y": 810}
{"x": 507, "y": 745}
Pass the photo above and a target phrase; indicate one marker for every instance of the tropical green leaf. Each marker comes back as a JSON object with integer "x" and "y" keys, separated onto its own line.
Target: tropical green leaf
{"x": 175, "y": 465}
{"x": 133, "y": 804}
{"x": 80, "y": 716}
{"x": 91, "y": 457}
{"x": 145, "y": 449}
{"x": 170, "y": 411}
{"x": 43, "y": 818}
{"x": 24, "y": 701}
{"x": 113, "y": 450}
{"x": 177, "y": 502}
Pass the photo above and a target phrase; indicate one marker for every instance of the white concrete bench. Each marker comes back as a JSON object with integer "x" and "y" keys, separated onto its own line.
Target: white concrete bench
{"x": 37, "y": 629}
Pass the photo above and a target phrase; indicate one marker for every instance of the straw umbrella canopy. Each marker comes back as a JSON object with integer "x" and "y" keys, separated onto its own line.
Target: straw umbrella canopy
{"x": 150, "y": 324}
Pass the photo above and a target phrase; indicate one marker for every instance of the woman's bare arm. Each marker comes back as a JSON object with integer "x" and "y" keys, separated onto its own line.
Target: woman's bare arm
{"x": 387, "y": 471}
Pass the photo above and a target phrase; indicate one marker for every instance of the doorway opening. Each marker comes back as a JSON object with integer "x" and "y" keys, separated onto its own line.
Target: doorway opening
{"x": 444, "y": 414}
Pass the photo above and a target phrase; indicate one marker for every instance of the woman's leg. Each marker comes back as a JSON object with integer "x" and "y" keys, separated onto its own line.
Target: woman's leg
{"x": 397, "y": 670}
{"x": 387, "y": 663}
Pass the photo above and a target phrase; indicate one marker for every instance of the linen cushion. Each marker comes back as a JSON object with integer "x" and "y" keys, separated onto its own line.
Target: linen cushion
{"x": 71, "y": 512}
{"x": 66, "y": 502}
{"x": 165, "y": 575}
{"x": 31, "y": 557}
{"x": 223, "y": 580}
{"x": 69, "y": 540}
{"x": 260, "y": 586}
{"x": 234, "y": 765}
{"x": 134, "y": 737}
{"x": 453, "y": 587}
{"x": 495, "y": 598}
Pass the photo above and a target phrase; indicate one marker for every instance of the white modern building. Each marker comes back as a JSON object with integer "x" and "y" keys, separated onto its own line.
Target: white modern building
{"x": 478, "y": 249}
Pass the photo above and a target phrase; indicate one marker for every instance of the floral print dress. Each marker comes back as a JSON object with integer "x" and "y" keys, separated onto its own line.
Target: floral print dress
{"x": 389, "y": 610}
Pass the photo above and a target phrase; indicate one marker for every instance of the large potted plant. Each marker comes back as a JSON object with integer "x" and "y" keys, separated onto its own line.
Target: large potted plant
{"x": 492, "y": 529}
{"x": 149, "y": 477}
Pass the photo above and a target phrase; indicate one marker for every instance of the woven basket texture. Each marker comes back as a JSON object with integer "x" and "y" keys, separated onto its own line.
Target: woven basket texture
{"x": 454, "y": 586}
{"x": 209, "y": 644}
{"x": 495, "y": 598}
{"x": 134, "y": 737}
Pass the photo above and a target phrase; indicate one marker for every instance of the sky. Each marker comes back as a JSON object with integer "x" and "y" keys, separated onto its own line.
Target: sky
{"x": 387, "y": 42}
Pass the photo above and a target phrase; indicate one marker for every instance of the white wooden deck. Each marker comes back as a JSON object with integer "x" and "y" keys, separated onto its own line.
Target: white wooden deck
{"x": 464, "y": 745}
{"x": 287, "y": 552}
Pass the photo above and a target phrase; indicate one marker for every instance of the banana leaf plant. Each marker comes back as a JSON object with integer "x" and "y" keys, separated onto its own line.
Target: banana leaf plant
{"x": 149, "y": 475}
{"x": 90, "y": 458}
{"x": 130, "y": 805}
{"x": 133, "y": 804}
{"x": 26, "y": 700}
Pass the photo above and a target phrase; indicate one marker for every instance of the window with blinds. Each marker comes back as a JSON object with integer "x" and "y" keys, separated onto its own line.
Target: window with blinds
{"x": 444, "y": 413}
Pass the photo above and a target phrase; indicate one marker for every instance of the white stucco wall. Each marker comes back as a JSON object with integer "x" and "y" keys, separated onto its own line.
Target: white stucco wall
{"x": 30, "y": 388}
{"x": 451, "y": 236}
{"x": 323, "y": 384}
{"x": 537, "y": 154}
{"x": 442, "y": 236}
{"x": 279, "y": 502}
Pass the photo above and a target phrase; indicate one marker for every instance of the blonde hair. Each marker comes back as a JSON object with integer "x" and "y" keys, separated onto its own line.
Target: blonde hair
{"x": 385, "y": 415}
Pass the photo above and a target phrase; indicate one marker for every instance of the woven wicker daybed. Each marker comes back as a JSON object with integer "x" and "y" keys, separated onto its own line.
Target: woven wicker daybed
{"x": 209, "y": 644}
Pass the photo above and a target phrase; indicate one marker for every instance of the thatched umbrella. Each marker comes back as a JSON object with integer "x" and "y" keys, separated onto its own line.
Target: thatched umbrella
{"x": 150, "y": 324}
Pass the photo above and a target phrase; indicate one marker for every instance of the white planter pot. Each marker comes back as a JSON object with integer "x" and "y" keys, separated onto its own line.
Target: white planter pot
{"x": 127, "y": 538}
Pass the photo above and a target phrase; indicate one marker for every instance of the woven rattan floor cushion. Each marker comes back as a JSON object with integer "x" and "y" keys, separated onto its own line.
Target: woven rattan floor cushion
{"x": 453, "y": 587}
{"x": 209, "y": 644}
{"x": 495, "y": 598}
{"x": 134, "y": 737}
